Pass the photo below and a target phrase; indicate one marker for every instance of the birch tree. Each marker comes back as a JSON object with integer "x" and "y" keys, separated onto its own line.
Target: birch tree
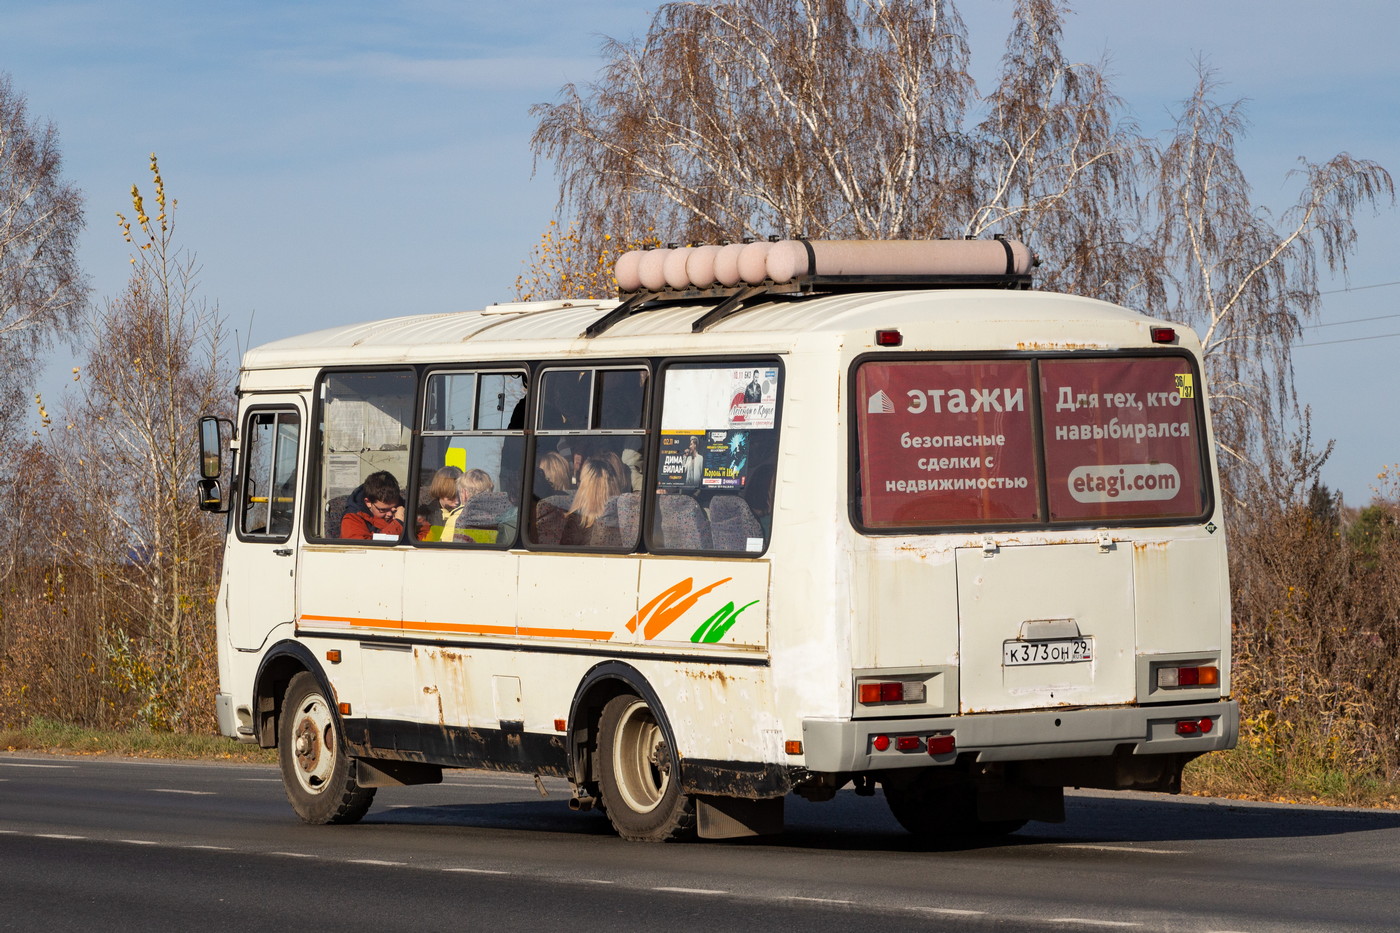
{"x": 1247, "y": 281}
{"x": 856, "y": 118}
{"x": 41, "y": 289}
{"x": 153, "y": 363}
{"x": 736, "y": 119}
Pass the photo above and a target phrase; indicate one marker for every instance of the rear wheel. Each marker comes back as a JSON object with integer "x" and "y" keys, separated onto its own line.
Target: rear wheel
{"x": 317, "y": 772}
{"x": 639, "y": 776}
{"x": 941, "y": 810}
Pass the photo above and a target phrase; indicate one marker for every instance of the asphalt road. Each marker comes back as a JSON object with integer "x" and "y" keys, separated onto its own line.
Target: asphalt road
{"x": 106, "y": 844}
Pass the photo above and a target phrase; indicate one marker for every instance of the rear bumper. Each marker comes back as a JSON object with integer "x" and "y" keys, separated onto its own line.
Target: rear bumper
{"x": 843, "y": 745}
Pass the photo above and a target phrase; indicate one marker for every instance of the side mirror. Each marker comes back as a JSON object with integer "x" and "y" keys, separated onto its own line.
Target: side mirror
{"x": 214, "y": 435}
{"x": 211, "y": 496}
{"x": 211, "y": 446}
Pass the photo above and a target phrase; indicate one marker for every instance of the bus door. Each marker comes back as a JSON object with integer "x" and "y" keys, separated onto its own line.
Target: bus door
{"x": 260, "y": 566}
{"x": 1046, "y": 625}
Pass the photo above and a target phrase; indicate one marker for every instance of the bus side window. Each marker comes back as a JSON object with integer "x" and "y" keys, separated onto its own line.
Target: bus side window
{"x": 714, "y": 478}
{"x": 269, "y": 475}
{"x": 366, "y": 422}
{"x": 471, "y": 471}
{"x": 589, "y": 462}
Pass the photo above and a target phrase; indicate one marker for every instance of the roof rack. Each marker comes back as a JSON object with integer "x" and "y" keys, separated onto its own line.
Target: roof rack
{"x": 738, "y": 273}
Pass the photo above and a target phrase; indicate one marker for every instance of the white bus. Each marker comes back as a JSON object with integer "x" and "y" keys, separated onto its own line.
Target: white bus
{"x": 787, "y": 517}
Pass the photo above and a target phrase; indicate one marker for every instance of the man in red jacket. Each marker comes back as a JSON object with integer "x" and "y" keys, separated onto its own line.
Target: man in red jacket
{"x": 375, "y": 510}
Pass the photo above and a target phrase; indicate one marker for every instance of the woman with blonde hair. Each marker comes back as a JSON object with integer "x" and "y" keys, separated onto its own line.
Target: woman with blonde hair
{"x": 620, "y": 470}
{"x": 558, "y": 474}
{"x": 469, "y": 484}
{"x": 597, "y": 485}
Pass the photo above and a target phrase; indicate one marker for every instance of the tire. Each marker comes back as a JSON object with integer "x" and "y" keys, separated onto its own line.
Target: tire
{"x": 317, "y": 773}
{"x": 943, "y": 812}
{"x": 639, "y": 775}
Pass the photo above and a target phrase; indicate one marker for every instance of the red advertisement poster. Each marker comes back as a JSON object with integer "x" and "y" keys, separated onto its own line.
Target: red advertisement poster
{"x": 1122, "y": 438}
{"x": 945, "y": 443}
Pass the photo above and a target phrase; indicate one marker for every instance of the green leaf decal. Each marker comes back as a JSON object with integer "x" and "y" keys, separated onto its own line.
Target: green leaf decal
{"x": 715, "y": 627}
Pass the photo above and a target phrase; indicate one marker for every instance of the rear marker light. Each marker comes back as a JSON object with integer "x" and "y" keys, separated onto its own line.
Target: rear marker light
{"x": 792, "y": 747}
{"x": 1206, "y": 725}
{"x": 560, "y": 725}
{"x": 942, "y": 745}
{"x": 908, "y": 743}
{"x": 891, "y": 691}
{"x": 888, "y": 338}
{"x": 1163, "y": 334}
{"x": 1188, "y": 676}
{"x": 881, "y": 743}
{"x": 1187, "y": 727}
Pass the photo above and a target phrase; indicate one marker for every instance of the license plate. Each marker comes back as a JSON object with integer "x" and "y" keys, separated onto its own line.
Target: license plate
{"x": 1047, "y": 651}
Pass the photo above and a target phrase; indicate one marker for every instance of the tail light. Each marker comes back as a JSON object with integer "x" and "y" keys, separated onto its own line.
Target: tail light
{"x": 891, "y": 691}
{"x": 1203, "y": 676}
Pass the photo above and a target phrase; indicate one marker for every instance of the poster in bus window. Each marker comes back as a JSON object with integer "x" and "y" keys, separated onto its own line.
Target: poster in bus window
{"x": 682, "y": 460}
{"x": 720, "y": 398}
{"x": 1122, "y": 438}
{"x": 726, "y": 463}
{"x": 946, "y": 443}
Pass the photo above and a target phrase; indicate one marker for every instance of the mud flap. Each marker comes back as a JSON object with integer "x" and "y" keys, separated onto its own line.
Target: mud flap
{"x": 382, "y": 772}
{"x": 732, "y": 817}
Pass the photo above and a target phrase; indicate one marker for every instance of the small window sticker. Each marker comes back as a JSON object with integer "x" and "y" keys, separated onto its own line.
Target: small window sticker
{"x": 753, "y": 545}
{"x": 1185, "y": 385}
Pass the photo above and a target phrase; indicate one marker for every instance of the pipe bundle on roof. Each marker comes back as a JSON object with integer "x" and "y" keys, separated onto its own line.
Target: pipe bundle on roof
{"x": 784, "y": 261}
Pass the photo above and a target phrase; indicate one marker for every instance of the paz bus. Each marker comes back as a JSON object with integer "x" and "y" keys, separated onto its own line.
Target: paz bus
{"x": 785, "y": 517}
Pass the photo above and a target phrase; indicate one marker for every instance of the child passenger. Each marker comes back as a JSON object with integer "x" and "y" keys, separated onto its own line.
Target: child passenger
{"x": 375, "y": 510}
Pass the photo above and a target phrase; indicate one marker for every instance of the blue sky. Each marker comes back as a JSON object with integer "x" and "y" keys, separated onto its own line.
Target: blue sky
{"x": 343, "y": 161}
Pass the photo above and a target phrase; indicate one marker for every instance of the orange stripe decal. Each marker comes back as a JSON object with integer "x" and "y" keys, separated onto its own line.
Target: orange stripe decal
{"x": 461, "y": 627}
{"x": 668, "y": 606}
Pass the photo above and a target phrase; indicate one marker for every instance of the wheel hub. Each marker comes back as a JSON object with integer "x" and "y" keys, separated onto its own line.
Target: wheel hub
{"x": 308, "y": 745}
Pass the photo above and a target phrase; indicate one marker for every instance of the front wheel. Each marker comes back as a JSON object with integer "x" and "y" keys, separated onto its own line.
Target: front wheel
{"x": 317, "y": 772}
{"x": 639, "y": 775}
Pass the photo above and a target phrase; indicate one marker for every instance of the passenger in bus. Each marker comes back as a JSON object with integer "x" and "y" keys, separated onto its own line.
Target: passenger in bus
{"x": 597, "y": 484}
{"x": 470, "y": 483}
{"x": 758, "y": 492}
{"x": 554, "y": 476}
{"x": 632, "y": 458}
{"x": 375, "y": 509}
{"x": 443, "y": 501}
{"x": 620, "y": 470}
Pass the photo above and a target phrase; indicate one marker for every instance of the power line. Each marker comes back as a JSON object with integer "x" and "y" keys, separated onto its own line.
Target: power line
{"x": 1358, "y": 288}
{"x": 1355, "y": 320}
{"x": 1323, "y": 343}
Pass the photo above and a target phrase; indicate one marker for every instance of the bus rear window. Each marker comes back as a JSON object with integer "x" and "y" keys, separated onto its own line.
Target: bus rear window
{"x": 946, "y": 443}
{"x": 1122, "y": 439}
{"x": 968, "y": 443}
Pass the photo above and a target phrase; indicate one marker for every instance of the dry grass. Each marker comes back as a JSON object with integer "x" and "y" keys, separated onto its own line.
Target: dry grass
{"x": 56, "y": 738}
{"x": 1243, "y": 773}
